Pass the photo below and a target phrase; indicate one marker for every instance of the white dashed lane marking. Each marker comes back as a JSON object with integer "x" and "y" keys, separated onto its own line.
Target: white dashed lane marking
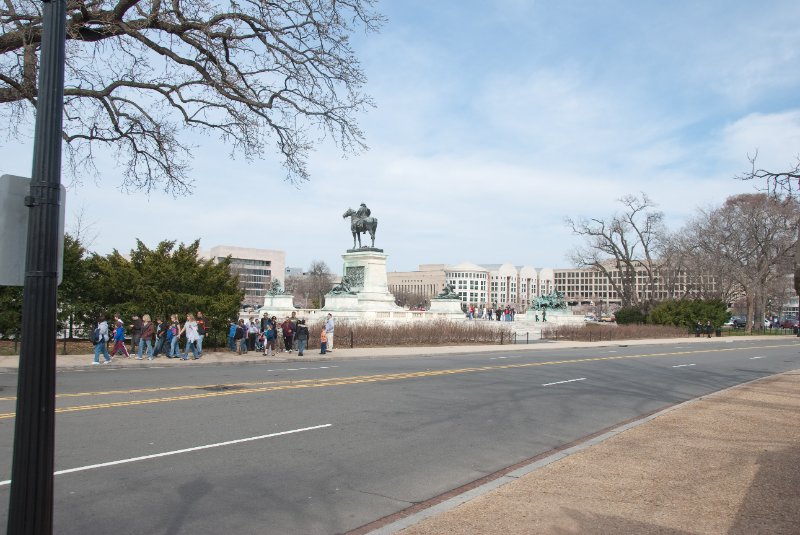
{"x": 567, "y": 381}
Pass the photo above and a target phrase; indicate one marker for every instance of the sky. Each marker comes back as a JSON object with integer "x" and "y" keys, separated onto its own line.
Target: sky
{"x": 493, "y": 122}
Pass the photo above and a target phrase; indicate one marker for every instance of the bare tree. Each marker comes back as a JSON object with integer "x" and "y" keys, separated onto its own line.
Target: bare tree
{"x": 309, "y": 289}
{"x": 785, "y": 182}
{"x": 623, "y": 246}
{"x": 687, "y": 272}
{"x": 407, "y": 298}
{"x": 140, "y": 72}
{"x": 752, "y": 238}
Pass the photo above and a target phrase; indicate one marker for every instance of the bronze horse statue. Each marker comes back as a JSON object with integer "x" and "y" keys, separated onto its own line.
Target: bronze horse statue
{"x": 361, "y": 225}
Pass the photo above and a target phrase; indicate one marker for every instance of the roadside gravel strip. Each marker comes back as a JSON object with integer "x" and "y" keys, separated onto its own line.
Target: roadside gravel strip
{"x": 724, "y": 463}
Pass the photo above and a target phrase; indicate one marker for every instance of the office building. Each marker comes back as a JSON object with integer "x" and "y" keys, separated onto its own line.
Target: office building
{"x": 256, "y": 269}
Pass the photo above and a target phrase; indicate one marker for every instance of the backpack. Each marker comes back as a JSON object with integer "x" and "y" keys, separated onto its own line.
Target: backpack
{"x": 239, "y": 333}
{"x": 173, "y": 330}
{"x": 94, "y": 338}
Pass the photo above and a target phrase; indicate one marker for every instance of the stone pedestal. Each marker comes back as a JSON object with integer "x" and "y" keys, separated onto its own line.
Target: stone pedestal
{"x": 340, "y": 302}
{"x": 556, "y": 316}
{"x": 366, "y": 269}
{"x": 278, "y": 304}
{"x": 451, "y": 307}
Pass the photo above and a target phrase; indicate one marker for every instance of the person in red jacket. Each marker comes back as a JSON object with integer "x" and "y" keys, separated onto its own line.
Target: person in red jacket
{"x": 288, "y": 334}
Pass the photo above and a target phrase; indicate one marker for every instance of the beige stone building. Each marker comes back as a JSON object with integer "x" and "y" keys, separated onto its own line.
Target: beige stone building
{"x": 427, "y": 282}
{"x": 256, "y": 268}
{"x": 479, "y": 285}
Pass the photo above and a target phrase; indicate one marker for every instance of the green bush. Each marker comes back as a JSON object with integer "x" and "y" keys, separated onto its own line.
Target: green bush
{"x": 629, "y": 316}
{"x": 688, "y": 312}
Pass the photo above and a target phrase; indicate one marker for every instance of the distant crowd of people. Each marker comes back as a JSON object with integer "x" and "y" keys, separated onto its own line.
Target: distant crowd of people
{"x": 490, "y": 314}
{"x": 270, "y": 336}
{"x": 148, "y": 339}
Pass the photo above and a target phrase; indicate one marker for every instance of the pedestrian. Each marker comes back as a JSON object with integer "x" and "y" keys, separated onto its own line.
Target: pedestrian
{"x": 499, "y": 314}
{"x": 252, "y": 333}
{"x": 261, "y": 341}
{"x": 173, "y": 337}
{"x": 544, "y": 314}
{"x": 232, "y": 336}
{"x": 136, "y": 332}
{"x": 329, "y": 326}
{"x": 302, "y": 336}
{"x": 270, "y": 335}
{"x": 323, "y": 341}
{"x": 288, "y": 334}
{"x": 119, "y": 340}
{"x": 698, "y": 329}
{"x": 489, "y": 313}
{"x": 100, "y": 338}
{"x": 709, "y": 328}
{"x": 161, "y": 336}
{"x": 146, "y": 338}
{"x": 192, "y": 337}
{"x": 241, "y": 332}
{"x": 202, "y": 331}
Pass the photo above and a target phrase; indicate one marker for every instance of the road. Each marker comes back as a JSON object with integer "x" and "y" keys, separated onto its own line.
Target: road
{"x": 325, "y": 447}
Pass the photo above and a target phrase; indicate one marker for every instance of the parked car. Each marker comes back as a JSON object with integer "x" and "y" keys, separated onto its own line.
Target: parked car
{"x": 737, "y": 322}
{"x": 789, "y": 323}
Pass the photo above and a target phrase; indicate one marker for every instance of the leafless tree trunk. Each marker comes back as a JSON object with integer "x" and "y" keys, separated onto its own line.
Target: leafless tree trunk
{"x": 621, "y": 246}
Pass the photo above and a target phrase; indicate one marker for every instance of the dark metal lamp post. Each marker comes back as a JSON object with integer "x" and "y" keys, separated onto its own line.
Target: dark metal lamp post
{"x": 31, "y": 503}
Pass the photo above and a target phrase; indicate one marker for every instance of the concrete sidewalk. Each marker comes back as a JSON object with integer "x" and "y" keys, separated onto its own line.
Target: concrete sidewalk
{"x": 225, "y": 357}
{"x": 726, "y": 463}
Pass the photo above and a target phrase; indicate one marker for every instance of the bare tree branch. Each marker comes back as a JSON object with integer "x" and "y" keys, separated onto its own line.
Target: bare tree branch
{"x": 141, "y": 72}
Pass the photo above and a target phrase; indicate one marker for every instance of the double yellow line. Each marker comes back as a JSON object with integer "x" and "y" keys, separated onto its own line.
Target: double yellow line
{"x": 237, "y": 389}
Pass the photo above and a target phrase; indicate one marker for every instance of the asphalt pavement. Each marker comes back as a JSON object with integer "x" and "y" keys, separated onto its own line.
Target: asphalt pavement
{"x": 368, "y": 439}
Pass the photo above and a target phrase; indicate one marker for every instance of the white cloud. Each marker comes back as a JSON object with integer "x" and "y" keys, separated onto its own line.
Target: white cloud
{"x": 776, "y": 137}
{"x": 486, "y": 137}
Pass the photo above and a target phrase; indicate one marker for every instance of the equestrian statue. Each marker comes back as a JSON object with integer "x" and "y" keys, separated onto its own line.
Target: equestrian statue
{"x": 360, "y": 223}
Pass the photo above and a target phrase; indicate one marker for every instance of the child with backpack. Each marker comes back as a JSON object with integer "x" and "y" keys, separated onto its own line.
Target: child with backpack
{"x": 323, "y": 341}
{"x": 119, "y": 341}
{"x": 270, "y": 335}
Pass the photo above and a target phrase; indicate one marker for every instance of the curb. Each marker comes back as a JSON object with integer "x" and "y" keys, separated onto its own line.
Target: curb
{"x": 424, "y": 351}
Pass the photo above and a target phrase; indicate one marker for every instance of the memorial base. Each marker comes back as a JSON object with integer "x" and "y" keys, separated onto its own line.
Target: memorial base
{"x": 278, "y": 304}
{"x": 556, "y": 317}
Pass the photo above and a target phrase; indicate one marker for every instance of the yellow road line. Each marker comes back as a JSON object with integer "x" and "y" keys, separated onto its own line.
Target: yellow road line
{"x": 358, "y": 379}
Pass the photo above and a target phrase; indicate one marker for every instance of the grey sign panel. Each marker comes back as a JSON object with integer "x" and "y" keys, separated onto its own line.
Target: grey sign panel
{"x": 14, "y": 229}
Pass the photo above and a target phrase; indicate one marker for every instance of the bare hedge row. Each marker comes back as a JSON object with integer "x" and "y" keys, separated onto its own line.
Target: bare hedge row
{"x": 439, "y": 332}
{"x": 597, "y": 333}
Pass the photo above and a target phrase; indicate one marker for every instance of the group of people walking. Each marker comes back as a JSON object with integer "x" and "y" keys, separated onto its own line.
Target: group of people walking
{"x": 270, "y": 336}
{"x": 148, "y": 339}
{"x": 500, "y": 314}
